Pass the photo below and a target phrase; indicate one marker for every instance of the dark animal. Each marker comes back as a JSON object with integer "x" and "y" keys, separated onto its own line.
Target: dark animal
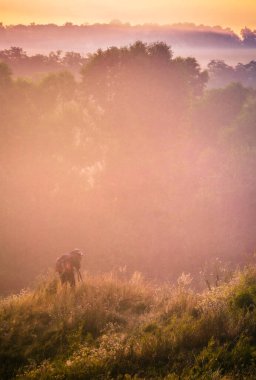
{"x": 69, "y": 264}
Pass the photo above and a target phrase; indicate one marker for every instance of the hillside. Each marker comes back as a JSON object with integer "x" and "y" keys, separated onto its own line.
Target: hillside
{"x": 114, "y": 328}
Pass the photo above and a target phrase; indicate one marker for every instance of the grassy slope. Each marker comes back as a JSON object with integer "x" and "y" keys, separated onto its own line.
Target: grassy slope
{"x": 113, "y": 329}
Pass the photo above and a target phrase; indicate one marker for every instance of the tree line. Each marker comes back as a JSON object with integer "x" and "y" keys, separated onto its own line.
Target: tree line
{"x": 116, "y": 31}
{"x": 220, "y": 73}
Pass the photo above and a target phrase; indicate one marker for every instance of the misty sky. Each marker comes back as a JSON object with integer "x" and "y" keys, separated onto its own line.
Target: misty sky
{"x": 228, "y": 13}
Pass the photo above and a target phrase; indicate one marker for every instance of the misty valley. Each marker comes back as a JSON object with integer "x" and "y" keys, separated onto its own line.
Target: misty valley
{"x": 146, "y": 162}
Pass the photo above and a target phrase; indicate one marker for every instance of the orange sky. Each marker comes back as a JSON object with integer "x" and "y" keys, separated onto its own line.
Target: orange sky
{"x": 233, "y": 13}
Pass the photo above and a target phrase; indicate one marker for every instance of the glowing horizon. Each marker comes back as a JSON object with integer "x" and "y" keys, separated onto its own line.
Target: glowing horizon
{"x": 226, "y": 13}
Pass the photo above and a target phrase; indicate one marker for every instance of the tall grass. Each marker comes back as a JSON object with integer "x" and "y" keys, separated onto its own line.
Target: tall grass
{"x": 108, "y": 328}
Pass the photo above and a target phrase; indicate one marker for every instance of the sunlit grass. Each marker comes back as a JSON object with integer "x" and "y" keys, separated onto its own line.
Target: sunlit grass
{"x": 109, "y": 328}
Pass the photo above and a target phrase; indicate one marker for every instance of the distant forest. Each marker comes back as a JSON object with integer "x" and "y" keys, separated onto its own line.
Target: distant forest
{"x": 137, "y": 162}
{"x": 116, "y": 31}
{"x": 216, "y": 42}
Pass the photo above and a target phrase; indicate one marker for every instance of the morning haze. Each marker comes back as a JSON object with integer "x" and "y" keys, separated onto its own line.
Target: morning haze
{"x": 232, "y": 13}
{"x": 127, "y": 185}
{"x": 132, "y": 159}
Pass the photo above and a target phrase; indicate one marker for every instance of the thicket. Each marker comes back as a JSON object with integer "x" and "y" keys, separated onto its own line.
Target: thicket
{"x": 114, "y": 328}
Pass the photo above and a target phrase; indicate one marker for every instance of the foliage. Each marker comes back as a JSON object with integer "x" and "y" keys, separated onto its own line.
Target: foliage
{"x": 222, "y": 74}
